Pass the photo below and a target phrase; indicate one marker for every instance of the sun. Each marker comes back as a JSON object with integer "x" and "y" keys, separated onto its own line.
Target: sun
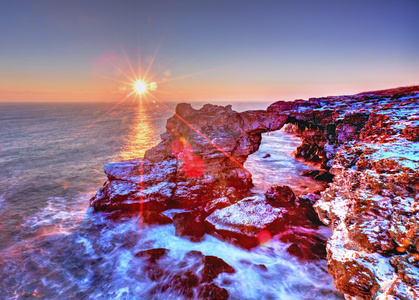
{"x": 140, "y": 87}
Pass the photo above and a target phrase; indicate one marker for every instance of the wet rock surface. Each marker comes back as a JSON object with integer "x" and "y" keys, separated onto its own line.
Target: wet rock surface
{"x": 152, "y": 255}
{"x": 254, "y": 220}
{"x": 189, "y": 224}
{"x": 153, "y": 217}
{"x": 366, "y": 148}
{"x": 305, "y": 244}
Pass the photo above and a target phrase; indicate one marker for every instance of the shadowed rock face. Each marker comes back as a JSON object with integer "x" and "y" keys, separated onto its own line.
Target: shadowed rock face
{"x": 369, "y": 142}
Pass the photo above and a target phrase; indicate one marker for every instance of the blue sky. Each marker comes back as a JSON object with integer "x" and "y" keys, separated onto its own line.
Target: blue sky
{"x": 217, "y": 50}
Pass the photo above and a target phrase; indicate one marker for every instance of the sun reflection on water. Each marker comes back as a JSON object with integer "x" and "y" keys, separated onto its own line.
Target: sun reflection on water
{"x": 143, "y": 134}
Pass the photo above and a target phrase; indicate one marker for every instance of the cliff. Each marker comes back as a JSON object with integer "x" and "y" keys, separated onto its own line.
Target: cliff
{"x": 370, "y": 143}
{"x": 367, "y": 146}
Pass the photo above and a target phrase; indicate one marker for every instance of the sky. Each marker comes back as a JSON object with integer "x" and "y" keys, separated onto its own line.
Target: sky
{"x": 214, "y": 50}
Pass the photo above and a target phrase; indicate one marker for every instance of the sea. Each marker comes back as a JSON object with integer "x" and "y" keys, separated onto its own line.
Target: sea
{"x": 52, "y": 246}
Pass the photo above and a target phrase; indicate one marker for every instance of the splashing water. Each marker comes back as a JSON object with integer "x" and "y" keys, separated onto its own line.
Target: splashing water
{"x": 54, "y": 247}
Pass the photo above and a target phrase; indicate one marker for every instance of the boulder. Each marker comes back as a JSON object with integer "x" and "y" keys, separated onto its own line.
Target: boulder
{"x": 211, "y": 291}
{"x": 152, "y": 255}
{"x": 280, "y": 196}
{"x": 298, "y": 211}
{"x": 214, "y": 266}
{"x": 319, "y": 175}
{"x": 189, "y": 224}
{"x": 254, "y": 220}
{"x": 241, "y": 222}
{"x": 305, "y": 244}
{"x": 153, "y": 217}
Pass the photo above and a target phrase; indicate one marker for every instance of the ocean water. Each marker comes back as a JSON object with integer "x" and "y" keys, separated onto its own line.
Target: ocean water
{"x": 53, "y": 247}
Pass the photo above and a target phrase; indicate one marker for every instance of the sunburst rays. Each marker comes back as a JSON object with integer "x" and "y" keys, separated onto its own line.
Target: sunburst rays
{"x": 143, "y": 86}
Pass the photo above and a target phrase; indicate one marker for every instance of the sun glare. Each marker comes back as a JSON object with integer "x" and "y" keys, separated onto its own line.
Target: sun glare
{"x": 140, "y": 87}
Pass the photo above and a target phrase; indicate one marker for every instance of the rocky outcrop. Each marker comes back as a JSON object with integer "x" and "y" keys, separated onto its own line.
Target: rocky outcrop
{"x": 367, "y": 148}
{"x": 372, "y": 203}
{"x": 372, "y": 208}
{"x": 200, "y": 159}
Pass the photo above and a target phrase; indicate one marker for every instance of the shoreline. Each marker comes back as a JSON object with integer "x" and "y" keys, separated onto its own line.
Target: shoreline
{"x": 330, "y": 128}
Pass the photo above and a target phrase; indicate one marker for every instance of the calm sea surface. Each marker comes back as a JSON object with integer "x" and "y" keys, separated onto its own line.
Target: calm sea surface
{"x": 53, "y": 247}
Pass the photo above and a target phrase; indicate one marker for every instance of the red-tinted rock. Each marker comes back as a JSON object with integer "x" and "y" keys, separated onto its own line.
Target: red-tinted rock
{"x": 306, "y": 245}
{"x": 187, "y": 277}
{"x": 183, "y": 282}
{"x": 353, "y": 278}
{"x": 378, "y": 125}
{"x": 218, "y": 203}
{"x": 153, "y": 217}
{"x": 152, "y": 255}
{"x": 254, "y": 220}
{"x": 368, "y": 141}
{"x": 311, "y": 152}
{"x": 280, "y": 196}
{"x": 372, "y": 203}
{"x": 189, "y": 224}
{"x": 348, "y": 128}
{"x": 241, "y": 222}
{"x": 214, "y": 266}
{"x": 211, "y": 291}
{"x": 411, "y": 132}
{"x": 318, "y": 175}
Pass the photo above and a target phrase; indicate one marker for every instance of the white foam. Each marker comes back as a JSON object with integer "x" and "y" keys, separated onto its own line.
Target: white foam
{"x": 264, "y": 272}
{"x": 59, "y": 216}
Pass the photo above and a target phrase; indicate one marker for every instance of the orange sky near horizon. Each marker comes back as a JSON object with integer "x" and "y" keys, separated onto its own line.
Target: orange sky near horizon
{"x": 183, "y": 92}
{"x": 209, "y": 51}
{"x": 111, "y": 84}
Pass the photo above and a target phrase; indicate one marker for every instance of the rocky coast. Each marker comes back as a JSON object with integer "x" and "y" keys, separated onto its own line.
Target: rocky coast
{"x": 365, "y": 148}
